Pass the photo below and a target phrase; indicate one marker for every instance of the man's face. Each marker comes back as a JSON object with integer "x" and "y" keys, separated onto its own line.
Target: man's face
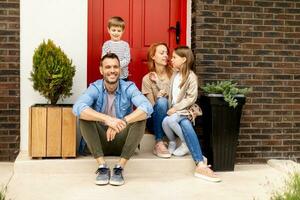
{"x": 110, "y": 70}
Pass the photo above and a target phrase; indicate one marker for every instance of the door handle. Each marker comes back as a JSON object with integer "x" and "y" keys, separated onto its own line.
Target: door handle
{"x": 177, "y": 31}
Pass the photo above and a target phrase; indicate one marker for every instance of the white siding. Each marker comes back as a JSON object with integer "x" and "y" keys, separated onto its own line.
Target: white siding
{"x": 63, "y": 21}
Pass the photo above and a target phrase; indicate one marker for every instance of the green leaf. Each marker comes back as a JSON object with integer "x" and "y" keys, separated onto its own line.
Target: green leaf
{"x": 52, "y": 72}
{"x": 227, "y": 88}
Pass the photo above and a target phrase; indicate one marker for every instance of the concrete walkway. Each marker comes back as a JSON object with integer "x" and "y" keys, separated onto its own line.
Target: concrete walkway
{"x": 6, "y": 172}
{"x": 246, "y": 182}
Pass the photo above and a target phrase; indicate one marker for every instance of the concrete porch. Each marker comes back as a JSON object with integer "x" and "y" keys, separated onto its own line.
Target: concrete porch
{"x": 146, "y": 177}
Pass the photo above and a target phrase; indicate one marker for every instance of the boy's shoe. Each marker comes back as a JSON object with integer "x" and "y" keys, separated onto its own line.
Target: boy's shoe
{"x": 172, "y": 146}
{"x": 181, "y": 150}
{"x": 206, "y": 173}
{"x": 117, "y": 176}
{"x": 161, "y": 151}
{"x": 103, "y": 175}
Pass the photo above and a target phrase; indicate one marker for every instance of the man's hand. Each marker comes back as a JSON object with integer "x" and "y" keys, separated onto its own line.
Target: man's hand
{"x": 110, "y": 134}
{"x": 171, "y": 111}
{"x": 115, "y": 123}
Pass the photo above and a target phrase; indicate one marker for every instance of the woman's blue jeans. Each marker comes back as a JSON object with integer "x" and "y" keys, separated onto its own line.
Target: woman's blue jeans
{"x": 191, "y": 139}
{"x": 154, "y": 124}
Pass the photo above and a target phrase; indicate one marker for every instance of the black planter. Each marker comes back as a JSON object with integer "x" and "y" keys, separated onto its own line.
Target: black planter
{"x": 221, "y": 125}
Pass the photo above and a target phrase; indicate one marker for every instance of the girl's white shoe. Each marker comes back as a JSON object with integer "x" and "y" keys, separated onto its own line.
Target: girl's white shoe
{"x": 172, "y": 146}
{"x": 182, "y": 150}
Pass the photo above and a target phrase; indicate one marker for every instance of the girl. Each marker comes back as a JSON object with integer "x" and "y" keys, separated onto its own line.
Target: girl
{"x": 183, "y": 94}
{"x": 182, "y": 97}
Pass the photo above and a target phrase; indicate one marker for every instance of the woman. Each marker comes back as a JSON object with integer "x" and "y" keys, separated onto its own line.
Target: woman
{"x": 155, "y": 87}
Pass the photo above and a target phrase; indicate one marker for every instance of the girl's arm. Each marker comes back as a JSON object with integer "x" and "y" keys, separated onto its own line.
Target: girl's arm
{"x": 191, "y": 94}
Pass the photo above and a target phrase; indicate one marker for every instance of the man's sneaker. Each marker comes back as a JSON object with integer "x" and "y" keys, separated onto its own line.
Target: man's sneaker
{"x": 172, "y": 146}
{"x": 206, "y": 173}
{"x": 161, "y": 151}
{"x": 181, "y": 150}
{"x": 117, "y": 177}
{"x": 103, "y": 175}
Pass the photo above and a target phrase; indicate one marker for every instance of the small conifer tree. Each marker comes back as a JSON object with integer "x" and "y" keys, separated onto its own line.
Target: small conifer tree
{"x": 52, "y": 73}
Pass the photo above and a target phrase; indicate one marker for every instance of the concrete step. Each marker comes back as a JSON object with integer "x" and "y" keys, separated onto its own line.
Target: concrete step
{"x": 143, "y": 160}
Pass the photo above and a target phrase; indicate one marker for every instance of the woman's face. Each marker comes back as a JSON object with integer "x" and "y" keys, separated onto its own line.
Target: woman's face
{"x": 177, "y": 61}
{"x": 161, "y": 55}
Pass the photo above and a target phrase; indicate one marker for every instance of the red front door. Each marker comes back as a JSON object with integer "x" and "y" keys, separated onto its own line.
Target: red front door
{"x": 147, "y": 22}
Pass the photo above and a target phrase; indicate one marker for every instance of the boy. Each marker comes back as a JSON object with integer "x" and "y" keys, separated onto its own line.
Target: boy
{"x": 116, "y": 26}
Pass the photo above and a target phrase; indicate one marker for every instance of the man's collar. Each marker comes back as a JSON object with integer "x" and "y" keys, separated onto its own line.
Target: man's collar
{"x": 118, "y": 90}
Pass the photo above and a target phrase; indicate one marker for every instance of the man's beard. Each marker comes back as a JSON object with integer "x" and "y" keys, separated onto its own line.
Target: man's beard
{"x": 111, "y": 82}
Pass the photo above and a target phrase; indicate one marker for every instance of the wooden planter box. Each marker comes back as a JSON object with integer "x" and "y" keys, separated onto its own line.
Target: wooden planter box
{"x": 52, "y": 131}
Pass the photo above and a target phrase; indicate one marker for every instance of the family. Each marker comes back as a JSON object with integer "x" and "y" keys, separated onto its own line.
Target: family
{"x": 166, "y": 106}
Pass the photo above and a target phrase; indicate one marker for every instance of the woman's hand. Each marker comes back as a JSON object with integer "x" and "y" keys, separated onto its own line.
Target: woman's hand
{"x": 171, "y": 111}
{"x": 161, "y": 93}
{"x": 153, "y": 77}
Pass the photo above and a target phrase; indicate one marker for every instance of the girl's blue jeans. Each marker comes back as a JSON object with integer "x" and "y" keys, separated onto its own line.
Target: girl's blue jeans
{"x": 191, "y": 139}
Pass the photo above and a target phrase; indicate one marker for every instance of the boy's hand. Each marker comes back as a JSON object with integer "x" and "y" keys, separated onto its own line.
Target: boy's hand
{"x": 171, "y": 111}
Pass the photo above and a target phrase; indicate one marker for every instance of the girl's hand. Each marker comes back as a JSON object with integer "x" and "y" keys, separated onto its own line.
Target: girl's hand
{"x": 171, "y": 111}
{"x": 153, "y": 77}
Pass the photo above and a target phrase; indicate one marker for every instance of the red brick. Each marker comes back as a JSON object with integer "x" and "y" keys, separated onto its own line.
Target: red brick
{"x": 9, "y": 79}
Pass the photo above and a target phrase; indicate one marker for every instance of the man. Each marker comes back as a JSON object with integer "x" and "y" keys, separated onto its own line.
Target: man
{"x": 107, "y": 120}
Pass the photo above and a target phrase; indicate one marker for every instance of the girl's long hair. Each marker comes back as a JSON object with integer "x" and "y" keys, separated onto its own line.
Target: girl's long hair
{"x": 185, "y": 52}
{"x": 150, "y": 61}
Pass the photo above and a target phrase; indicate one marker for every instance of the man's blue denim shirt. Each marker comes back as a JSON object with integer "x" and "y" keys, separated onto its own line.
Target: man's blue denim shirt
{"x": 127, "y": 95}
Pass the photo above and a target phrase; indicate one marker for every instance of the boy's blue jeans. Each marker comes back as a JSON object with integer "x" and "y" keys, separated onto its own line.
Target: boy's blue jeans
{"x": 154, "y": 124}
{"x": 191, "y": 139}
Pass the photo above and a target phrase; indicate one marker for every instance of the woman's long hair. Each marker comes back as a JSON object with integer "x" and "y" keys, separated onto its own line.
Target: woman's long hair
{"x": 185, "y": 52}
{"x": 151, "y": 63}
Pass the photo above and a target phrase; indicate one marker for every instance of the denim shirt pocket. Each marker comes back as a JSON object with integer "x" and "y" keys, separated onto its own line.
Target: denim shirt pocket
{"x": 125, "y": 109}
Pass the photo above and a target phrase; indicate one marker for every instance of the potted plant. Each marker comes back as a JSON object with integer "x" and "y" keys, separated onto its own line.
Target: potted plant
{"x": 52, "y": 126}
{"x": 222, "y": 105}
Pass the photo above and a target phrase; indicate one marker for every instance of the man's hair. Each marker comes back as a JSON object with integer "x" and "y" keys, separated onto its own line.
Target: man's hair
{"x": 111, "y": 56}
{"x": 116, "y": 21}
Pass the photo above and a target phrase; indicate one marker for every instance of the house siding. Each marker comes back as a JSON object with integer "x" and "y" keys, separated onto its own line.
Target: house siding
{"x": 256, "y": 44}
{"x": 9, "y": 79}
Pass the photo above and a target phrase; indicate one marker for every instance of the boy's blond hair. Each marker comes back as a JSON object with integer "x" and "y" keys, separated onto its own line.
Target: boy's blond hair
{"x": 116, "y": 21}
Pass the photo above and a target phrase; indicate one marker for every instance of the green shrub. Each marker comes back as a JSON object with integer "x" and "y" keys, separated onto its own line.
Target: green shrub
{"x": 52, "y": 73}
{"x": 228, "y": 89}
{"x": 291, "y": 190}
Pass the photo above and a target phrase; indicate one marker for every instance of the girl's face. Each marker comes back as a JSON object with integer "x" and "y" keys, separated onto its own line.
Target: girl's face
{"x": 161, "y": 55}
{"x": 177, "y": 61}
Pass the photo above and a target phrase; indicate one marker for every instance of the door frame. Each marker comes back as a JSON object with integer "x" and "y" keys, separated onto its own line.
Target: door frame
{"x": 91, "y": 37}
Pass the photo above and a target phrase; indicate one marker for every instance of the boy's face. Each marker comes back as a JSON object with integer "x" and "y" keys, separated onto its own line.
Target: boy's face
{"x": 115, "y": 33}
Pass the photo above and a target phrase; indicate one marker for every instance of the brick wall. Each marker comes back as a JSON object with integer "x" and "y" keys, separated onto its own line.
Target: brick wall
{"x": 257, "y": 44}
{"x": 9, "y": 79}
